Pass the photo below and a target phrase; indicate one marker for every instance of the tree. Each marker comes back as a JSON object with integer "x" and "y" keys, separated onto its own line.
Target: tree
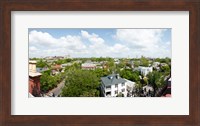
{"x": 59, "y": 61}
{"x": 157, "y": 60}
{"x": 100, "y": 72}
{"x": 138, "y": 88}
{"x": 43, "y": 81}
{"x": 120, "y": 94}
{"x": 165, "y": 60}
{"x": 47, "y": 72}
{"x": 145, "y": 80}
{"x": 47, "y": 82}
{"x": 68, "y": 60}
{"x": 135, "y": 76}
{"x": 136, "y": 63}
{"x": 111, "y": 65}
{"x": 81, "y": 83}
{"x": 144, "y": 61}
{"x": 41, "y": 63}
{"x": 121, "y": 65}
{"x": 156, "y": 80}
{"x": 127, "y": 74}
{"x": 34, "y": 58}
{"x": 130, "y": 75}
{"x": 165, "y": 69}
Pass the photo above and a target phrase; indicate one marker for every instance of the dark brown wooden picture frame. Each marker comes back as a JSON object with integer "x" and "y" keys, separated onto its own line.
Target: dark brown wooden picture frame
{"x": 7, "y": 6}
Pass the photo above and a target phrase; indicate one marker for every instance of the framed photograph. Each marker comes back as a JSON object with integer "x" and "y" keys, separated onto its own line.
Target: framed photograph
{"x": 99, "y": 63}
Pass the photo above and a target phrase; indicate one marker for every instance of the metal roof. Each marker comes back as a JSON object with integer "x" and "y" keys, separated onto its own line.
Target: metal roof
{"x": 112, "y": 80}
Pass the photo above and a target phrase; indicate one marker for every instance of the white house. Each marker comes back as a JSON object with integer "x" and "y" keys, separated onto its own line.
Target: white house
{"x": 113, "y": 84}
{"x": 156, "y": 65}
{"x": 145, "y": 70}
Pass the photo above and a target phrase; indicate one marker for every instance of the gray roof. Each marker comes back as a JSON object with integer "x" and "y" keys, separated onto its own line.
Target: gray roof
{"x": 112, "y": 80}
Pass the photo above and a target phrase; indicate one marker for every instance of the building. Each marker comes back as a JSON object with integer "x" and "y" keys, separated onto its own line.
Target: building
{"x": 116, "y": 61}
{"x": 145, "y": 70}
{"x": 156, "y": 65}
{"x": 56, "y": 67}
{"x": 34, "y": 79}
{"x": 88, "y": 66}
{"x": 147, "y": 89}
{"x": 65, "y": 65}
{"x": 167, "y": 89}
{"x": 113, "y": 85}
{"x": 131, "y": 62}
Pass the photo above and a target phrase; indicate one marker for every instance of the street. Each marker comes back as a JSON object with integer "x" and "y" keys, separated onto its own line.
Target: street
{"x": 56, "y": 91}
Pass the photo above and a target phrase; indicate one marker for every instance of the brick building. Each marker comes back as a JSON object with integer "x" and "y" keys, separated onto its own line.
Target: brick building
{"x": 34, "y": 79}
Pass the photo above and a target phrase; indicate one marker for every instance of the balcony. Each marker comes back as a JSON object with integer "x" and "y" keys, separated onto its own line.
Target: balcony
{"x": 107, "y": 89}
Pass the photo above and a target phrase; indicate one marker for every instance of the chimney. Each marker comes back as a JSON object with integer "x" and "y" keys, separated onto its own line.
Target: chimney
{"x": 32, "y": 66}
{"x": 34, "y": 79}
{"x": 117, "y": 76}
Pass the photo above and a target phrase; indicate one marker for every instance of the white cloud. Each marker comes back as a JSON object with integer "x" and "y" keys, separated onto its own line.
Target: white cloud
{"x": 93, "y": 38}
{"x": 99, "y": 47}
{"x": 33, "y": 48}
{"x": 48, "y": 45}
{"x": 40, "y": 38}
{"x": 119, "y": 48}
{"x": 126, "y": 42}
{"x": 147, "y": 42}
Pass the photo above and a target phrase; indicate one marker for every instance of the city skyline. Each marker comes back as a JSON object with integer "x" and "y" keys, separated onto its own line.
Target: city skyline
{"x": 89, "y": 42}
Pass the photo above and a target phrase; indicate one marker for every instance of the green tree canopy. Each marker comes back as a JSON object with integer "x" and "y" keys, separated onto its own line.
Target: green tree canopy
{"x": 156, "y": 80}
{"x": 127, "y": 74}
{"x": 165, "y": 69}
{"x": 101, "y": 72}
{"x": 121, "y": 65}
{"x": 130, "y": 75}
{"x": 144, "y": 61}
{"x": 136, "y": 63}
{"x": 41, "y": 63}
{"x": 163, "y": 60}
{"x": 47, "y": 82}
{"x": 81, "y": 83}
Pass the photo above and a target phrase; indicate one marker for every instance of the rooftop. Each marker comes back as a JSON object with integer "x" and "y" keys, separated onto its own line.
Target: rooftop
{"x": 112, "y": 80}
{"x": 32, "y": 74}
{"x": 32, "y": 61}
{"x": 88, "y": 65}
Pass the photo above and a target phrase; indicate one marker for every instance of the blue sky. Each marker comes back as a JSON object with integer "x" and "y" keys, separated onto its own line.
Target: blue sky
{"x": 91, "y": 42}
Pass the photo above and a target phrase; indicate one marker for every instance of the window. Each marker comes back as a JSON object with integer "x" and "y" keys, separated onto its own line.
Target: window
{"x": 123, "y": 90}
{"x": 123, "y": 84}
{"x": 116, "y": 85}
{"x": 108, "y": 87}
{"x": 116, "y": 92}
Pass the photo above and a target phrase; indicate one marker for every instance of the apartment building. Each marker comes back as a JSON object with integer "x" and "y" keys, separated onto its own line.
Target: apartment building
{"x": 113, "y": 85}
